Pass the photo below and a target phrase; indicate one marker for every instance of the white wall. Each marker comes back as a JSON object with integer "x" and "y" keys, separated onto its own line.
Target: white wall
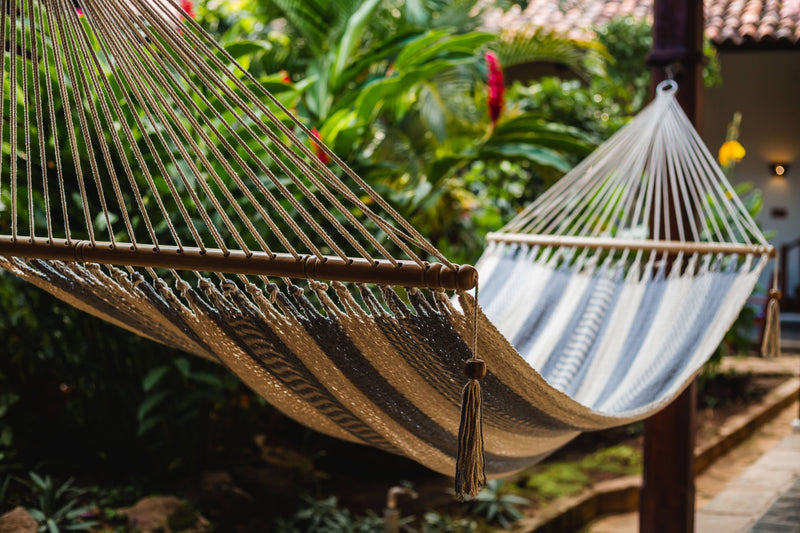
{"x": 765, "y": 87}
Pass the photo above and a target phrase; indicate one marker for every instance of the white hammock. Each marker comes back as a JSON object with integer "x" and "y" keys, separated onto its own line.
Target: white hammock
{"x": 602, "y": 314}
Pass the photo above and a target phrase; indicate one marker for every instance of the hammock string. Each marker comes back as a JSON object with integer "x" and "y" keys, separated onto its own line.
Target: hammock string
{"x": 81, "y": 55}
{"x": 13, "y": 118}
{"x": 170, "y": 13}
{"x": 146, "y": 104}
{"x": 199, "y": 67}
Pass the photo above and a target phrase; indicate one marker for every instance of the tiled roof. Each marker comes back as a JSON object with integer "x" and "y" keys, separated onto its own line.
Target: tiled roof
{"x": 728, "y": 22}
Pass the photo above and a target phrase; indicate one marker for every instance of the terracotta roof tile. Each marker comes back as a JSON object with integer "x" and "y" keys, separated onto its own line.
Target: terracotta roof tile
{"x": 728, "y": 22}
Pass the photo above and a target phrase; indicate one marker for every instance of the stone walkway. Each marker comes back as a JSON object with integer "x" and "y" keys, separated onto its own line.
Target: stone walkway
{"x": 768, "y": 442}
{"x": 767, "y": 495}
{"x": 784, "y": 515}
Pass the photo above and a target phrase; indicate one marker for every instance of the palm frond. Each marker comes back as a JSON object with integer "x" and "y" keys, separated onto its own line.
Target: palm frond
{"x": 541, "y": 45}
{"x": 456, "y": 14}
{"x": 319, "y": 22}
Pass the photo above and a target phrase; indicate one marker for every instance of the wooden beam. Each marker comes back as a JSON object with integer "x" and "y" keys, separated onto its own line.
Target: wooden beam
{"x": 381, "y": 272}
{"x": 646, "y": 245}
{"x": 667, "y": 497}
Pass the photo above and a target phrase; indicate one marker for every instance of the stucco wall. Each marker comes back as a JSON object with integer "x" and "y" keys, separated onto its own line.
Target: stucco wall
{"x": 765, "y": 87}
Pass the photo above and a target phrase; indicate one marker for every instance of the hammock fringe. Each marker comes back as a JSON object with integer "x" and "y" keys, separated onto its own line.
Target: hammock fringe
{"x": 470, "y": 462}
{"x": 771, "y": 343}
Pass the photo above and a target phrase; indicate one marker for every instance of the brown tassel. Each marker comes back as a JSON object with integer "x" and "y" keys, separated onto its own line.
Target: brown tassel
{"x": 470, "y": 464}
{"x": 771, "y": 342}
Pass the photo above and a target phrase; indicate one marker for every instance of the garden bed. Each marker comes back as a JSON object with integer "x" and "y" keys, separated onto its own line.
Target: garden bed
{"x": 288, "y": 470}
{"x": 360, "y": 477}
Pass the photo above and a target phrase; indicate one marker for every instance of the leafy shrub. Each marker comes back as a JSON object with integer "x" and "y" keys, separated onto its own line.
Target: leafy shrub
{"x": 325, "y": 516}
{"x": 619, "y": 459}
{"x": 92, "y": 390}
{"x": 56, "y": 507}
{"x": 496, "y": 503}
{"x": 433, "y": 522}
{"x": 558, "y": 479}
{"x": 567, "y": 478}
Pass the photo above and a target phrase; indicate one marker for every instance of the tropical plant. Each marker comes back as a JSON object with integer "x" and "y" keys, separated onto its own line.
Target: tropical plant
{"x": 433, "y": 522}
{"x": 553, "y": 480}
{"x": 58, "y": 507}
{"x": 174, "y": 411}
{"x": 496, "y": 503}
{"x": 399, "y": 90}
{"x": 8, "y": 397}
{"x": 617, "y": 87}
{"x": 325, "y": 516}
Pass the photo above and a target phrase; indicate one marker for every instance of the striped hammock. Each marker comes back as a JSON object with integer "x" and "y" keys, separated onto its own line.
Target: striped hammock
{"x": 152, "y": 182}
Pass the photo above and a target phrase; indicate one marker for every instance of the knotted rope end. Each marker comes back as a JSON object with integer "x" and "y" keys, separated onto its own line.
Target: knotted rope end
{"x": 470, "y": 463}
{"x": 771, "y": 342}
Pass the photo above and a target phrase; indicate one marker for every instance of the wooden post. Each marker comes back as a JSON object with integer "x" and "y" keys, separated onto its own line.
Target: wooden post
{"x": 666, "y": 501}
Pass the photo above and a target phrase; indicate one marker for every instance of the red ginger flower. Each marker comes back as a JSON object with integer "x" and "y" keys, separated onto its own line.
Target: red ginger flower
{"x": 318, "y": 151}
{"x": 285, "y": 77}
{"x": 497, "y": 87}
{"x": 188, "y": 7}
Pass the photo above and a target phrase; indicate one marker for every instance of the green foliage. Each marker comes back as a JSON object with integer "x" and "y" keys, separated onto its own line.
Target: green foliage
{"x": 544, "y": 45}
{"x": 567, "y": 478}
{"x": 617, "y": 86}
{"x": 7, "y": 399}
{"x": 433, "y": 522}
{"x": 325, "y": 516}
{"x": 740, "y": 336}
{"x": 58, "y": 507}
{"x": 100, "y": 397}
{"x": 174, "y": 411}
{"x": 496, "y": 504}
{"x": 398, "y": 90}
{"x": 558, "y": 479}
{"x": 619, "y": 459}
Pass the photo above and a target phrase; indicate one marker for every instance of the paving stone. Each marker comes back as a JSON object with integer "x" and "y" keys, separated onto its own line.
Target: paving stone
{"x": 792, "y": 442}
{"x": 780, "y": 459}
{"x": 765, "y": 527}
{"x": 758, "y": 478}
{"x": 784, "y": 515}
{"x": 712, "y": 523}
{"x": 740, "y": 500}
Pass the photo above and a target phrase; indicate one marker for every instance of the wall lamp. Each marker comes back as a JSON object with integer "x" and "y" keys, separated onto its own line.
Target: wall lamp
{"x": 779, "y": 169}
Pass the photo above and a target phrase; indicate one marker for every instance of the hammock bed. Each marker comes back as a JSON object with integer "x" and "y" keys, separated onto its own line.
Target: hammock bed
{"x": 161, "y": 165}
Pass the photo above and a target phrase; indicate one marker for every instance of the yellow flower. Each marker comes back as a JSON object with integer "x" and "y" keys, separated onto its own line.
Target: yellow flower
{"x": 730, "y": 152}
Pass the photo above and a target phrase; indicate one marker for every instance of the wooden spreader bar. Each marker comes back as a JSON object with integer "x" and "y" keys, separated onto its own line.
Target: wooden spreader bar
{"x": 647, "y": 245}
{"x": 382, "y": 272}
